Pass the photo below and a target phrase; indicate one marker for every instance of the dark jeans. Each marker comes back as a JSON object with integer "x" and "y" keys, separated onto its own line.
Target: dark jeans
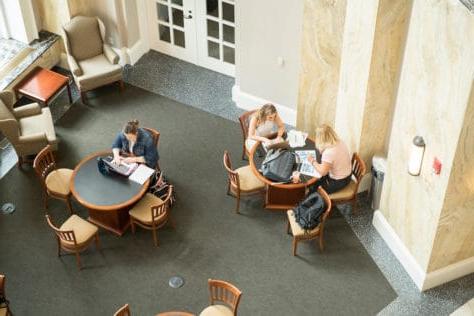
{"x": 330, "y": 185}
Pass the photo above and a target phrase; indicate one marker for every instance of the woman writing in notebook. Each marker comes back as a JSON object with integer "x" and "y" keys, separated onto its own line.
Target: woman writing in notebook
{"x": 335, "y": 167}
{"x": 265, "y": 123}
{"x": 134, "y": 144}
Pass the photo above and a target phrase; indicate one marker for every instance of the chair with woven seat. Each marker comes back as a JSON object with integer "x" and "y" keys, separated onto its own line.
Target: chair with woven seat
{"x": 123, "y": 311}
{"x": 55, "y": 182}
{"x": 300, "y": 234}
{"x": 241, "y": 181}
{"x": 92, "y": 61}
{"x": 29, "y": 128}
{"x": 4, "y": 303}
{"x": 152, "y": 213}
{"x": 349, "y": 193}
{"x": 75, "y": 235}
{"x": 244, "y": 120}
{"x": 224, "y": 293}
{"x": 155, "y": 135}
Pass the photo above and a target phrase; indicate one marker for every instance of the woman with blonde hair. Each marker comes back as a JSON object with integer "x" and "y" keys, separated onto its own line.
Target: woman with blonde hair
{"x": 265, "y": 123}
{"x": 335, "y": 167}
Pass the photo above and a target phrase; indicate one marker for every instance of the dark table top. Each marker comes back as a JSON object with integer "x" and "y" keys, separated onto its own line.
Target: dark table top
{"x": 107, "y": 192}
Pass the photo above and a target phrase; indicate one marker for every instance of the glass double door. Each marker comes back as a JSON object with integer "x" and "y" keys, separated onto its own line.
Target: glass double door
{"x": 198, "y": 31}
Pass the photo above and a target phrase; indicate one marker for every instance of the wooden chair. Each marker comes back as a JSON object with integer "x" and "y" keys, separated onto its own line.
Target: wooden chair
{"x": 152, "y": 213}
{"x": 156, "y": 140}
{"x": 222, "y": 292}
{"x": 244, "y": 120}
{"x": 300, "y": 234}
{"x": 349, "y": 193}
{"x": 123, "y": 311}
{"x": 241, "y": 181}
{"x": 4, "y": 304}
{"x": 75, "y": 235}
{"x": 175, "y": 313}
{"x": 55, "y": 182}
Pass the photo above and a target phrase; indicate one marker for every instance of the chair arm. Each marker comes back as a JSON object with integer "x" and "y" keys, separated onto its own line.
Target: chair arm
{"x": 33, "y": 138}
{"x": 74, "y": 66}
{"x": 27, "y": 110}
{"x": 8, "y": 98}
{"x": 110, "y": 54}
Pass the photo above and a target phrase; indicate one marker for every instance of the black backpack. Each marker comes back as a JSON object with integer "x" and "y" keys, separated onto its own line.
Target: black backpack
{"x": 308, "y": 212}
{"x": 278, "y": 165}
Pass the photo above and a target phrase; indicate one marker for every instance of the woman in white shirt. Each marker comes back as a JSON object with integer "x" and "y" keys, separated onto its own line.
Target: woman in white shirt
{"x": 335, "y": 167}
{"x": 265, "y": 123}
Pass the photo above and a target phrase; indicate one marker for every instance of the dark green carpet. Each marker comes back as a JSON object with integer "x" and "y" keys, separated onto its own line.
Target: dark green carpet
{"x": 251, "y": 250}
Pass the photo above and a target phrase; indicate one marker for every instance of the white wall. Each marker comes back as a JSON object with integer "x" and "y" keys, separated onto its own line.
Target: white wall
{"x": 266, "y": 31}
{"x": 20, "y": 20}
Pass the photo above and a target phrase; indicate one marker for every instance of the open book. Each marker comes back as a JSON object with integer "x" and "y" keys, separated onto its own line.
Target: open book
{"x": 141, "y": 174}
{"x": 305, "y": 167}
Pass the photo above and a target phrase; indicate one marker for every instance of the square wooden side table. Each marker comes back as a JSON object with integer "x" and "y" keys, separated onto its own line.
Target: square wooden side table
{"x": 42, "y": 85}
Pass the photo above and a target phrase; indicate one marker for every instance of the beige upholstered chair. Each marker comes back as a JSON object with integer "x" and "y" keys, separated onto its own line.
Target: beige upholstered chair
{"x": 241, "y": 181}
{"x": 29, "y": 128}
{"x": 92, "y": 62}
{"x": 300, "y": 234}
{"x": 349, "y": 193}
{"x": 224, "y": 293}
{"x": 55, "y": 182}
{"x": 123, "y": 311}
{"x": 152, "y": 213}
{"x": 4, "y": 304}
{"x": 75, "y": 235}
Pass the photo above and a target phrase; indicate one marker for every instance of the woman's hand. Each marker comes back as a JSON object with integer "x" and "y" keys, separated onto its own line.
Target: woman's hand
{"x": 130, "y": 159}
{"x": 295, "y": 177}
{"x": 117, "y": 160}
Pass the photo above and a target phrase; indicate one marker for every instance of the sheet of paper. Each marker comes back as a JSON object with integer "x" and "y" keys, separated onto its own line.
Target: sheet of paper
{"x": 141, "y": 174}
{"x": 297, "y": 138}
{"x": 306, "y": 168}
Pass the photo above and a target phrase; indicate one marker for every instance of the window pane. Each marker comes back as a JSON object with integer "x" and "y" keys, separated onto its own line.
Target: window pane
{"x": 179, "y": 38}
{"x": 228, "y": 12}
{"x": 163, "y": 13}
{"x": 213, "y": 50}
{"x": 178, "y": 17}
{"x": 164, "y": 32}
{"x": 229, "y": 35}
{"x": 213, "y": 7}
{"x": 178, "y": 2}
{"x": 212, "y": 29}
{"x": 229, "y": 54}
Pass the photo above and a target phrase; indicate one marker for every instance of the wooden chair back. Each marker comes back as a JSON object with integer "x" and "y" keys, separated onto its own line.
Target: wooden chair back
{"x": 154, "y": 134}
{"x": 158, "y": 211}
{"x": 327, "y": 202}
{"x": 3, "y": 298}
{"x": 44, "y": 163}
{"x": 65, "y": 235}
{"x": 231, "y": 174}
{"x": 123, "y": 311}
{"x": 244, "y": 120}
{"x": 224, "y": 292}
{"x": 358, "y": 169}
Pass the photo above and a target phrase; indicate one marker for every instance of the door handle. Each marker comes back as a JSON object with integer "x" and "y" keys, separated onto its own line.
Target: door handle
{"x": 189, "y": 16}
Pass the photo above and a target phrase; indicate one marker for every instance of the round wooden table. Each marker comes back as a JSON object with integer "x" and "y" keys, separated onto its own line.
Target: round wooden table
{"x": 281, "y": 196}
{"x": 108, "y": 198}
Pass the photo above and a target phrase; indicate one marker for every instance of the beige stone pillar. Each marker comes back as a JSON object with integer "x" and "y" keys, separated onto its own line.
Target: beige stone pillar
{"x": 323, "y": 26}
{"x": 427, "y": 220}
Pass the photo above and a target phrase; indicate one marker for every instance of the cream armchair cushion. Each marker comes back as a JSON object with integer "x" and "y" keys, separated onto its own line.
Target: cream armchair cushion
{"x": 29, "y": 128}
{"x": 92, "y": 62}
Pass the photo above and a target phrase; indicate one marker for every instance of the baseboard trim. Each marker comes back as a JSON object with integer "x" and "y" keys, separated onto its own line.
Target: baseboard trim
{"x": 249, "y": 102}
{"x": 423, "y": 280}
{"x": 137, "y": 51}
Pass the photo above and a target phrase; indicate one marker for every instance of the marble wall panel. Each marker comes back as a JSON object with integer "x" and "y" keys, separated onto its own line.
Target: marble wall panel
{"x": 435, "y": 83}
{"x": 323, "y": 28}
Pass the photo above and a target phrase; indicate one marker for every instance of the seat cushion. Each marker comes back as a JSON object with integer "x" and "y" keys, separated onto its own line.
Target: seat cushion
{"x": 216, "y": 310}
{"x": 346, "y": 193}
{"x": 248, "y": 180}
{"x": 3, "y": 311}
{"x": 142, "y": 210}
{"x": 83, "y": 230}
{"x": 83, "y": 37}
{"x": 296, "y": 229}
{"x": 42, "y": 123}
{"x": 97, "y": 71}
{"x": 58, "y": 181}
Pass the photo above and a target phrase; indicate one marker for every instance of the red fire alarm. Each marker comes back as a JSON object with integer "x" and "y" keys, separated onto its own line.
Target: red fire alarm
{"x": 437, "y": 166}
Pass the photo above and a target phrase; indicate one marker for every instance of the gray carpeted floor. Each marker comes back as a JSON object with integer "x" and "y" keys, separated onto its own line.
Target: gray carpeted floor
{"x": 251, "y": 250}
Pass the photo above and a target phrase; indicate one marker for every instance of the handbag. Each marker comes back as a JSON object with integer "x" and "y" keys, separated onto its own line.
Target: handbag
{"x": 278, "y": 165}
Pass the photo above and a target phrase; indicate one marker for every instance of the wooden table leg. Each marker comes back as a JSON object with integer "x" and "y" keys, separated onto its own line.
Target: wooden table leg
{"x": 116, "y": 221}
{"x": 283, "y": 198}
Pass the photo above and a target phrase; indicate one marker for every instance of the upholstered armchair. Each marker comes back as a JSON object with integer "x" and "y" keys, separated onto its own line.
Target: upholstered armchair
{"x": 29, "y": 128}
{"x": 92, "y": 62}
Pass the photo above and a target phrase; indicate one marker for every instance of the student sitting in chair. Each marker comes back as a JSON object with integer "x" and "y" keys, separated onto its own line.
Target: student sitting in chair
{"x": 134, "y": 144}
{"x": 265, "y": 122}
{"x": 335, "y": 166}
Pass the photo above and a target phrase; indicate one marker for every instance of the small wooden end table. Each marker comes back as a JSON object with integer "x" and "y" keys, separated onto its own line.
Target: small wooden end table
{"x": 41, "y": 85}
